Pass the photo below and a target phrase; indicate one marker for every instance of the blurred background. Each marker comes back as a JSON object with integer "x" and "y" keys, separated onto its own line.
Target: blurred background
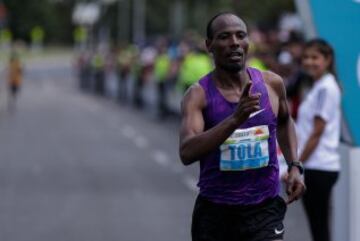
{"x": 89, "y": 141}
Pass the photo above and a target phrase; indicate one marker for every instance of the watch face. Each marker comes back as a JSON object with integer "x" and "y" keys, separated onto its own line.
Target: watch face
{"x": 298, "y": 165}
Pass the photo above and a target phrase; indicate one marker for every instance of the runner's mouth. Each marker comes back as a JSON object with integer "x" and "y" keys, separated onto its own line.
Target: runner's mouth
{"x": 235, "y": 56}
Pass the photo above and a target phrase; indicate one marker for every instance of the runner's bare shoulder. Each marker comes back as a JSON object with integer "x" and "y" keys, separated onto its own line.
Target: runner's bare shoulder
{"x": 194, "y": 96}
{"x": 274, "y": 81}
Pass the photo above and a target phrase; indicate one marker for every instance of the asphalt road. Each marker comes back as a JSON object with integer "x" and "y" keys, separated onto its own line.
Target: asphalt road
{"x": 74, "y": 166}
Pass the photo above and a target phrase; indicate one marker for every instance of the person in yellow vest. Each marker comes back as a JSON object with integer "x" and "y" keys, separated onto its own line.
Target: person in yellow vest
{"x": 194, "y": 66}
{"x": 161, "y": 74}
{"x": 98, "y": 68}
{"x": 5, "y": 38}
{"x": 37, "y": 35}
{"x": 15, "y": 76}
{"x": 255, "y": 58}
{"x": 144, "y": 73}
{"x": 80, "y": 38}
{"x": 125, "y": 65}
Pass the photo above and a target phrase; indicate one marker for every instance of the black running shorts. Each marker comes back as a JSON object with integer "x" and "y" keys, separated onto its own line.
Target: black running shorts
{"x": 220, "y": 222}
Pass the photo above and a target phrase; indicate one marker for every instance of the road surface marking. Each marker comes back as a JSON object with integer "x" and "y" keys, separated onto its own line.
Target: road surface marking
{"x": 141, "y": 142}
{"x": 190, "y": 183}
{"x": 160, "y": 158}
{"x": 128, "y": 131}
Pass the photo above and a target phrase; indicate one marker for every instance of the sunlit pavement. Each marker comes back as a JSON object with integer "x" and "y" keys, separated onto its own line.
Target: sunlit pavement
{"x": 75, "y": 166}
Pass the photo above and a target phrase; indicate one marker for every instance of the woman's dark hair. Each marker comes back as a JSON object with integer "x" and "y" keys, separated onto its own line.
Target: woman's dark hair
{"x": 326, "y": 50}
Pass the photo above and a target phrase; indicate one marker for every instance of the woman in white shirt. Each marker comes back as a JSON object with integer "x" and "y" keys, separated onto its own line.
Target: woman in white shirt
{"x": 318, "y": 130}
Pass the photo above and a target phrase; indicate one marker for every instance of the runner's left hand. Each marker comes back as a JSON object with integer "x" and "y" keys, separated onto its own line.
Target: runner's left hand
{"x": 295, "y": 186}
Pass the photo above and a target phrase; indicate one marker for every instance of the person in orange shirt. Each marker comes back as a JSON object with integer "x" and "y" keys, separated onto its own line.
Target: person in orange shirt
{"x": 15, "y": 73}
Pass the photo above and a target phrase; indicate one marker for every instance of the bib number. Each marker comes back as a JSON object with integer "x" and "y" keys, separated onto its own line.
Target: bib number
{"x": 245, "y": 149}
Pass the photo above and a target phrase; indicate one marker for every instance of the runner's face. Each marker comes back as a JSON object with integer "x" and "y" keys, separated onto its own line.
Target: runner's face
{"x": 229, "y": 44}
{"x": 315, "y": 63}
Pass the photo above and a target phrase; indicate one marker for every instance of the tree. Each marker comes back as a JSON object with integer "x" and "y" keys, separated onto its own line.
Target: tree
{"x": 54, "y": 17}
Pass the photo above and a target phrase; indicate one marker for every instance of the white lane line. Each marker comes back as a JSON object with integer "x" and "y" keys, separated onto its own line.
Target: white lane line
{"x": 36, "y": 169}
{"x": 160, "y": 158}
{"x": 177, "y": 168}
{"x": 141, "y": 142}
{"x": 93, "y": 109}
{"x": 128, "y": 131}
{"x": 115, "y": 124}
{"x": 190, "y": 183}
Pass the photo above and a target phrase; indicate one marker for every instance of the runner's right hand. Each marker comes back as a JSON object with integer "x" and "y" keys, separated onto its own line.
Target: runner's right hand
{"x": 247, "y": 104}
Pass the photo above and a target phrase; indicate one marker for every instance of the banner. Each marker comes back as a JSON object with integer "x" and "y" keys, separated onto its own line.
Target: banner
{"x": 338, "y": 22}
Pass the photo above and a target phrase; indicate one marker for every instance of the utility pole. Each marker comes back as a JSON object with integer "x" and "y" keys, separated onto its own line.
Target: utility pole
{"x": 177, "y": 19}
{"x": 124, "y": 21}
{"x": 138, "y": 27}
{"x": 304, "y": 10}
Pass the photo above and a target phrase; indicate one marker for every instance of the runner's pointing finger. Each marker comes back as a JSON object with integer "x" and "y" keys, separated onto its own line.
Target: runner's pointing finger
{"x": 246, "y": 90}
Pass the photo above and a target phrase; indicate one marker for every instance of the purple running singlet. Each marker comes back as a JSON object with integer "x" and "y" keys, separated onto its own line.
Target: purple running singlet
{"x": 244, "y": 169}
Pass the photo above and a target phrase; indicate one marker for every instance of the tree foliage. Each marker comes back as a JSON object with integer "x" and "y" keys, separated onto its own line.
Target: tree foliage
{"x": 197, "y": 12}
{"x": 55, "y": 15}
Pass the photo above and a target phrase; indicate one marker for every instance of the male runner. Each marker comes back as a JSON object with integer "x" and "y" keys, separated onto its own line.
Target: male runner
{"x": 230, "y": 121}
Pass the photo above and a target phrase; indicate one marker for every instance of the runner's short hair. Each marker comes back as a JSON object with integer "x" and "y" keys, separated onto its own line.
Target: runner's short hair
{"x": 209, "y": 32}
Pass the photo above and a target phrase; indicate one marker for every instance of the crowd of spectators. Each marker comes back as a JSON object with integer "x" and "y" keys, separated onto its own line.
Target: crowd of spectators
{"x": 172, "y": 66}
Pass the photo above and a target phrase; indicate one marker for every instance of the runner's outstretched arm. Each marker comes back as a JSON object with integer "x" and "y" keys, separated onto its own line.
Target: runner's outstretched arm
{"x": 194, "y": 141}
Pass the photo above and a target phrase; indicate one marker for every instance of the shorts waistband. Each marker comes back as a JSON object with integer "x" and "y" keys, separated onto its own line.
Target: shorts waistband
{"x": 239, "y": 207}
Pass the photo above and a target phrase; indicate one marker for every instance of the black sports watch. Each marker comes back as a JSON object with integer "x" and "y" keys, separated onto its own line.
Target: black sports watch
{"x": 297, "y": 164}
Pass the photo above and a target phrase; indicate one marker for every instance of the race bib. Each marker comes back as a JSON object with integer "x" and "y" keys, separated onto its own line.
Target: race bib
{"x": 245, "y": 149}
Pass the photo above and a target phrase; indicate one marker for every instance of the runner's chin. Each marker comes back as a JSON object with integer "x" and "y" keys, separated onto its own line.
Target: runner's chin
{"x": 234, "y": 67}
